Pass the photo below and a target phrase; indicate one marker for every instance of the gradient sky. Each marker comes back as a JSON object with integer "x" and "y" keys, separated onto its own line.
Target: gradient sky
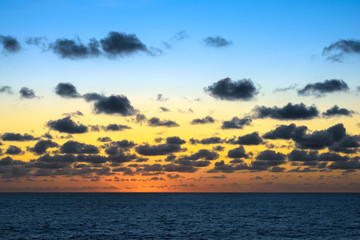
{"x": 278, "y": 81}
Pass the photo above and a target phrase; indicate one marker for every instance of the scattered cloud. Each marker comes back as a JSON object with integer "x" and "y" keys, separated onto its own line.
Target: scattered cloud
{"x": 288, "y": 112}
{"x": 67, "y": 125}
{"x": 66, "y": 90}
{"x": 227, "y": 89}
{"x": 205, "y": 120}
{"x": 217, "y": 42}
{"x": 236, "y": 123}
{"x": 9, "y": 44}
{"x": 337, "y": 50}
{"x": 320, "y": 89}
{"x": 335, "y": 111}
{"x": 27, "y": 93}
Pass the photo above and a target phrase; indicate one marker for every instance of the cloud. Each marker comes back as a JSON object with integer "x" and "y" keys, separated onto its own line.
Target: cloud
{"x": 321, "y": 139}
{"x": 288, "y": 112}
{"x": 121, "y": 44}
{"x": 42, "y": 145}
{"x": 226, "y": 89}
{"x": 204, "y": 120}
{"x": 248, "y": 139}
{"x": 17, "y": 137}
{"x": 66, "y": 90}
{"x": 66, "y": 125}
{"x": 115, "y": 104}
{"x": 320, "y": 89}
{"x": 37, "y": 41}
{"x": 286, "y": 132}
{"x": 348, "y": 144}
{"x": 217, "y": 42}
{"x": 237, "y": 153}
{"x": 13, "y": 150}
{"x": 303, "y": 156}
{"x": 164, "y": 109}
{"x": 6, "y": 89}
{"x": 345, "y": 165}
{"x": 78, "y": 148}
{"x": 337, "y": 50}
{"x": 157, "y": 150}
{"x": 115, "y": 127}
{"x": 236, "y": 123}
{"x": 156, "y": 122}
{"x": 160, "y": 98}
{"x": 270, "y": 155}
{"x": 205, "y": 141}
{"x": 104, "y": 139}
{"x": 291, "y": 87}
{"x": 328, "y": 156}
{"x": 335, "y": 111}
{"x": 181, "y": 35}
{"x": 27, "y": 93}
{"x": 175, "y": 140}
{"x": 9, "y": 44}
{"x": 72, "y": 49}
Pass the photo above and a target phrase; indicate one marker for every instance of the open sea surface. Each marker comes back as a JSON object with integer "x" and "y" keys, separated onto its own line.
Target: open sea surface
{"x": 179, "y": 216}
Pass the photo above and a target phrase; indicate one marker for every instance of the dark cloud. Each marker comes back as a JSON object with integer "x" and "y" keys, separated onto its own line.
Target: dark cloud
{"x": 115, "y": 104}
{"x": 104, "y": 139}
{"x": 121, "y": 44}
{"x": 156, "y": 122}
{"x": 237, "y": 153}
{"x": 303, "y": 156}
{"x": 217, "y": 42}
{"x": 205, "y": 141}
{"x": 337, "y": 50}
{"x": 175, "y": 140}
{"x": 270, "y": 155}
{"x": 66, "y": 90}
{"x": 227, "y": 168}
{"x": 286, "y": 132}
{"x": 328, "y": 156}
{"x": 115, "y": 127}
{"x": 9, "y": 44}
{"x": 321, "y": 139}
{"x": 6, "y": 89}
{"x": 74, "y": 147}
{"x": 42, "y": 145}
{"x": 179, "y": 168}
{"x": 345, "y": 165}
{"x": 66, "y": 125}
{"x": 226, "y": 89}
{"x": 204, "y": 120}
{"x": 202, "y": 154}
{"x": 54, "y": 162}
{"x": 236, "y": 123}
{"x": 13, "y": 150}
{"x": 320, "y": 89}
{"x": 348, "y": 144}
{"x": 248, "y": 139}
{"x": 288, "y": 112}
{"x": 156, "y": 150}
{"x": 27, "y": 93}
{"x": 17, "y": 137}
{"x": 72, "y": 49}
{"x": 335, "y": 111}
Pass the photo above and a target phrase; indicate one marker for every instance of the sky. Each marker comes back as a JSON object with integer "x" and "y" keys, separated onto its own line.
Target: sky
{"x": 179, "y": 96}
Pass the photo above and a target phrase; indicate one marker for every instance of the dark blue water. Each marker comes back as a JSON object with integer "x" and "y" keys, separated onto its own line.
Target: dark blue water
{"x": 179, "y": 216}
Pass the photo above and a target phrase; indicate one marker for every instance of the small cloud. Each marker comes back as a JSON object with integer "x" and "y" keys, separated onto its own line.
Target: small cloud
{"x": 217, "y": 42}
{"x": 27, "y": 93}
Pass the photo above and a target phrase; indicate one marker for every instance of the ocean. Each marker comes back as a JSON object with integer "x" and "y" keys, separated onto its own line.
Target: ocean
{"x": 179, "y": 216}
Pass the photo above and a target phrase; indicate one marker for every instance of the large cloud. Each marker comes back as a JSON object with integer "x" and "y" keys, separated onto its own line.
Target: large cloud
{"x": 217, "y": 42}
{"x": 115, "y": 104}
{"x": 337, "y": 50}
{"x": 227, "y": 89}
{"x": 288, "y": 112}
{"x": 120, "y": 44}
{"x": 9, "y": 44}
{"x": 286, "y": 132}
{"x": 322, "y": 88}
{"x": 67, "y": 125}
{"x": 66, "y": 90}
